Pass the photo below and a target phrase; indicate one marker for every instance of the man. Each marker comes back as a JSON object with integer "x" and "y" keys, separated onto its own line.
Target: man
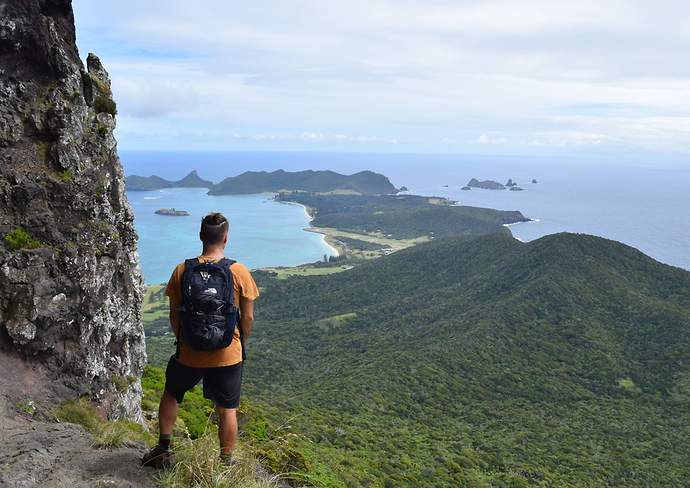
{"x": 221, "y": 369}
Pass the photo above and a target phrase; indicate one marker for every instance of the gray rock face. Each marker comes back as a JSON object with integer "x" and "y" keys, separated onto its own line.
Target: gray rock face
{"x": 70, "y": 283}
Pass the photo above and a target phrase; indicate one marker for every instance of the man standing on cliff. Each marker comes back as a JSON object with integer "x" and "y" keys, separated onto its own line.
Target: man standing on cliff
{"x": 221, "y": 369}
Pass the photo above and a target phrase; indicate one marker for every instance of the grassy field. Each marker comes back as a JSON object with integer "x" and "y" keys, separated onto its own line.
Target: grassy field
{"x": 155, "y": 304}
{"x": 282, "y": 273}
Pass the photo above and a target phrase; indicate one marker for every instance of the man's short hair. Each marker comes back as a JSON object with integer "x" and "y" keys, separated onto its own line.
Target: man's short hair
{"x": 214, "y": 228}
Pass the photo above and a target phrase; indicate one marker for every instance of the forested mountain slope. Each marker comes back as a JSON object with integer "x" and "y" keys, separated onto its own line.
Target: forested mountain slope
{"x": 482, "y": 361}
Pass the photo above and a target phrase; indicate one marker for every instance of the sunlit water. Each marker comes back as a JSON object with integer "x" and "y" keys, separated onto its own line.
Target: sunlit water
{"x": 642, "y": 205}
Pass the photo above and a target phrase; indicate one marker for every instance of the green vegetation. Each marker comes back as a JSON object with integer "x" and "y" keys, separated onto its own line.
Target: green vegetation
{"x": 106, "y": 434}
{"x": 282, "y": 273}
{"x": 470, "y": 361}
{"x": 160, "y": 340}
{"x": 42, "y": 150}
{"x": 102, "y": 131}
{"x": 196, "y": 446}
{"x": 402, "y": 216}
{"x": 66, "y": 175}
{"x": 360, "y": 245}
{"x": 482, "y": 361}
{"x": 364, "y": 182}
{"x": 105, "y": 104}
{"x": 198, "y": 464}
{"x": 20, "y": 239}
{"x": 26, "y": 406}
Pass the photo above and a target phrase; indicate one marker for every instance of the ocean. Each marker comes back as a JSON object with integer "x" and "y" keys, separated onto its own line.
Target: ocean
{"x": 642, "y": 205}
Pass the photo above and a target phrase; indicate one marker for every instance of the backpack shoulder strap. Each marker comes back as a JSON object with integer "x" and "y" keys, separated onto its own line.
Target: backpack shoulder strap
{"x": 229, "y": 262}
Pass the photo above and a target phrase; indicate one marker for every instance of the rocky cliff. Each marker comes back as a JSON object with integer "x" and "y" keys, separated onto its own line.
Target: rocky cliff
{"x": 70, "y": 283}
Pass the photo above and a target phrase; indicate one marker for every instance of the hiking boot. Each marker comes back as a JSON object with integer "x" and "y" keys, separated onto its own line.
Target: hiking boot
{"x": 156, "y": 459}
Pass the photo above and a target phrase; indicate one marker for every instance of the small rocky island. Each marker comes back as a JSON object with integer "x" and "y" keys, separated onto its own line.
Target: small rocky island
{"x": 172, "y": 211}
{"x": 487, "y": 184}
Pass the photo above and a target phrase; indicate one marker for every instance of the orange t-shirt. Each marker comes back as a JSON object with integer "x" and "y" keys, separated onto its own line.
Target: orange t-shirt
{"x": 245, "y": 288}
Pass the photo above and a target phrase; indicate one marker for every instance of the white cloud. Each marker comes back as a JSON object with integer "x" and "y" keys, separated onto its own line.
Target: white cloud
{"x": 313, "y": 136}
{"x": 484, "y": 139}
{"x": 343, "y": 137}
{"x": 153, "y": 98}
{"x": 542, "y": 71}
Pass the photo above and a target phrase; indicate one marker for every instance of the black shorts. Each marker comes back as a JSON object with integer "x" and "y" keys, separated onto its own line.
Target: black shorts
{"x": 221, "y": 385}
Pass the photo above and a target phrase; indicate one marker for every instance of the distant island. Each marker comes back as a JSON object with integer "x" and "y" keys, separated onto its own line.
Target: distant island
{"x": 486, "y": 185}
{"x": 172, "y": 211}
{"x": 143, "y": 183}
{"x": 324, "y": 182}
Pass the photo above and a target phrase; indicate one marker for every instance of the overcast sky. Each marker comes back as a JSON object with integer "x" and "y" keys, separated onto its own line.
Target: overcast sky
{"x": 485, "y": 76}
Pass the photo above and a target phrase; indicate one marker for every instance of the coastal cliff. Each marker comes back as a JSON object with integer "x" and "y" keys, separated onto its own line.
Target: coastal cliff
{"x": 70, "y": 283}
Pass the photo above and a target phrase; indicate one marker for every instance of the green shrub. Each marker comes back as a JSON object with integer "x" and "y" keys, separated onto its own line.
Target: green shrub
{"x": 104, "y": 104}
{"x": 66, "y": 175}
{"x": 102, "y": 131}
{"x": 21, "y": 239}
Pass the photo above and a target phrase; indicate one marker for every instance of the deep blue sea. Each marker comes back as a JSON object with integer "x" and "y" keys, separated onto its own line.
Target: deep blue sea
{"x": 640, "y": 204}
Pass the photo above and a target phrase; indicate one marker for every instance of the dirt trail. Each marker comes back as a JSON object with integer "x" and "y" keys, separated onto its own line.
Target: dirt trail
{"x": 56, "y": 455}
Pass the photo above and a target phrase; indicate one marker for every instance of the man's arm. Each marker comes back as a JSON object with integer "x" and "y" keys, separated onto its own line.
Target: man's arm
{"x": 246, "y": 317}
{"x": 175, "y": 303}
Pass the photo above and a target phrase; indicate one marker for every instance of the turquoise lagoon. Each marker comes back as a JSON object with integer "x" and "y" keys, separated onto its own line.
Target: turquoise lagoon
{"x": 262, "y": 232}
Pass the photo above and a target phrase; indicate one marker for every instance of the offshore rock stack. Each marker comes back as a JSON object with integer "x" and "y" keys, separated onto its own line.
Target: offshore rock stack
{"x": 70, "y": 284}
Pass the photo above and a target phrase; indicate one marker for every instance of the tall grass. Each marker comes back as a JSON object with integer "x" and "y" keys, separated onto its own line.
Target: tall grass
{"x": 198, "y": 464}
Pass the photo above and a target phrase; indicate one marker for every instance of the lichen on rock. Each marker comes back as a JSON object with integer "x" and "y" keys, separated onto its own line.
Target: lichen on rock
{"x": 69, "y": 306}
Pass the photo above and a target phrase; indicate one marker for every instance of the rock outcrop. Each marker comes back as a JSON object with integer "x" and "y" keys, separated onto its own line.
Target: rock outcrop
{"x": 70, "y": 283}
{"x": 486, "y": 184}
{"x": 172, "y": 211}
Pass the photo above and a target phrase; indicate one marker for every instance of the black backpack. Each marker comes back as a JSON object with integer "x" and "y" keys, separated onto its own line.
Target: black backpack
{"x": 208, "y": 314}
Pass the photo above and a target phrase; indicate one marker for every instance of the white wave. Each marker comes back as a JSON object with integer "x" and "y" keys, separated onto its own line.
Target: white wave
{"x": 526, "y": 222}
{"x": 153, "y": 198}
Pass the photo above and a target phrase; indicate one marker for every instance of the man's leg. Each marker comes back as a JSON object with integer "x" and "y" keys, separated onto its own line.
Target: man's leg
{"x": 227, "y": 429}
{"x": 167, "y": 413}
{"x": 159, "y": 456}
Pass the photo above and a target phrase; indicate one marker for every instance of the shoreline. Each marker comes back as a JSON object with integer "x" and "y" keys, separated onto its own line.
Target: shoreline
{"x": 312, "y": 228}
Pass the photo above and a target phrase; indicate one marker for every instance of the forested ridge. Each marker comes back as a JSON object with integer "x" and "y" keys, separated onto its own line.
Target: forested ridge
{"x": 482, "y": 361}
{"x": 364, "y": 182}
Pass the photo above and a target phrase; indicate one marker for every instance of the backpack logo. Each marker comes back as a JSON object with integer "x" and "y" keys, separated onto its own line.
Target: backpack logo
{"x": 205, "y": 276}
